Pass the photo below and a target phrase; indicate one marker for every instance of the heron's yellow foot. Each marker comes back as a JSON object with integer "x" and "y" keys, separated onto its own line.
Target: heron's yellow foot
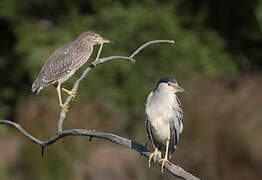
{"x": 163, "y": 163}
{"x": 65, "y": 106}
{"x": 70, "y": 93}
{"x": 154, "y": 154}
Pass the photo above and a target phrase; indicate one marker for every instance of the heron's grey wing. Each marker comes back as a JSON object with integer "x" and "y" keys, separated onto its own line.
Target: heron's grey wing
{"x": 176, "y": 127}
{"x": 148, "y": 125}
{"x": 149, "y": 132}
{"x": 59, "y": 64}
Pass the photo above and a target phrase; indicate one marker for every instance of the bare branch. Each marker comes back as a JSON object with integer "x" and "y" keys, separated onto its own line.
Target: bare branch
{"x": 103, "y": 60}
{"x": 100, "y": 61}
{"x": 171, "y": 168}
{"x": 18, "y": 127}
{"x": 99, "y": 51}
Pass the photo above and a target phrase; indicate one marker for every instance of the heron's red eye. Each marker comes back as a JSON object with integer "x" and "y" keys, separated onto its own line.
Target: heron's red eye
{"x": 169, "y": 84}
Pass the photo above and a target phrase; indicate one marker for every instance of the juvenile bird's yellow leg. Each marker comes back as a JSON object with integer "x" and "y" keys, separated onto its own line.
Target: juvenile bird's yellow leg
{"x": 64, "y": 106}
{"x": 70, "y": 93}
{"x": 165, "y": 159}
{"x": 154, "y": 154}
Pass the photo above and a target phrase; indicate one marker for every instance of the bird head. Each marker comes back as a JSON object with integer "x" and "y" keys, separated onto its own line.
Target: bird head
{"x": 92, "y": 37}
{"x": 170, "y": 84}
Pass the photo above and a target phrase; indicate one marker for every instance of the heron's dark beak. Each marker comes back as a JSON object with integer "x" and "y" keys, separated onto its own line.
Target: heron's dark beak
{"x": 180, "y": 89}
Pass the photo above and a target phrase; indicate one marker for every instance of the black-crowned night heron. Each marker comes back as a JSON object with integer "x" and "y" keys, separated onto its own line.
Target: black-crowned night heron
{"x": 64, "y": 62}
{"x": 164, "y": 119}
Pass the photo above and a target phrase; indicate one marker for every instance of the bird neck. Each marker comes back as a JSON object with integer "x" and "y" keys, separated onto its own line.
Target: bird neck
{"x": 164, "y": 96}
{"x": 164, "y": 90}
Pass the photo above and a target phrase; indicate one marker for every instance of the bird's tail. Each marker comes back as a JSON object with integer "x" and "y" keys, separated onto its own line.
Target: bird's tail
{"x": 37, "y": 86}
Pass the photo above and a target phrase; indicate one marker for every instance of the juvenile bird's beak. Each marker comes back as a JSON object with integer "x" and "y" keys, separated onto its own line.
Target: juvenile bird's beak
{"x": 106, "y": 40}
{"x": 101, "y": 40}
{"x": 179, "y": 89}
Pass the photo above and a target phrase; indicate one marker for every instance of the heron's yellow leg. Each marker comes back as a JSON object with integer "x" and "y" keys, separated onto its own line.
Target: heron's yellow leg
{"x": 64, "y": 106}
{"x": 165, "y": 159}
{"x": 70, "y": 93}
{"x": 154, "y": 154}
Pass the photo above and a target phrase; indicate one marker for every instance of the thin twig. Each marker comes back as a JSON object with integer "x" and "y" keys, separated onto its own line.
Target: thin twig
{"x": 149, "y": 43}
{"x": 171, "y": 168}
{"x": 103, "y": 60}
{"x": 99, "y": 51}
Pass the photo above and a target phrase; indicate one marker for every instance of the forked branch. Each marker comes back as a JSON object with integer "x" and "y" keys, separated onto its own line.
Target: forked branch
{"x": 171, "y": 168}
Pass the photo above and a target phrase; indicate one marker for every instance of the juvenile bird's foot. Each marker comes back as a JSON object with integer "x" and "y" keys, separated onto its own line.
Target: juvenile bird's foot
{"x": 154, "y": 154}
{"x": 73, "y": 94}
{"x": 70, "y": 93}
{"x": 65, "y": 106}
{"x": 163, "y": 163}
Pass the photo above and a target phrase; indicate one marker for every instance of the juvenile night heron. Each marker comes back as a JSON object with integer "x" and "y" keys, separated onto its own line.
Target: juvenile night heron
{"x": 65, "y": 61}
{"x": 164, "y": 119}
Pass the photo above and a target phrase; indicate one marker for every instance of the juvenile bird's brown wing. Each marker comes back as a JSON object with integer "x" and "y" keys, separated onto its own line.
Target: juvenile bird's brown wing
{"x": 58, "y": 64}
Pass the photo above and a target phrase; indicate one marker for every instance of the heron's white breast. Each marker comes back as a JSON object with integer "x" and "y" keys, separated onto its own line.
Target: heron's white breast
{"x": 159, "y": 112}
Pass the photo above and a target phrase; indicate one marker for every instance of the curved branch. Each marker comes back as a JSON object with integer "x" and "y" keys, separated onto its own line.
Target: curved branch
{"x": 100, "y": 61}
{"x": 149, "y": 43}
{"x": 171, "y": 168}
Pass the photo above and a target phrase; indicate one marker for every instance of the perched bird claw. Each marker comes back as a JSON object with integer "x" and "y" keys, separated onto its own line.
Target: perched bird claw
{"x": 70, "y": 93}
{"x": 65, "y": 107}
{"x": 154, "y": 154}
{"x": 163, "y": 163}
{"x": 73, "y": 94}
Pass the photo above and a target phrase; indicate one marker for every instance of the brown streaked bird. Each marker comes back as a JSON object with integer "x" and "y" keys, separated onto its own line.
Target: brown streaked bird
{"x": 65, "y": 61}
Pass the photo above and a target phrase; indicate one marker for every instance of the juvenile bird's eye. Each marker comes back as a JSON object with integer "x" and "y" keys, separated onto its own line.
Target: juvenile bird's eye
{"x": 169, "y": 84}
